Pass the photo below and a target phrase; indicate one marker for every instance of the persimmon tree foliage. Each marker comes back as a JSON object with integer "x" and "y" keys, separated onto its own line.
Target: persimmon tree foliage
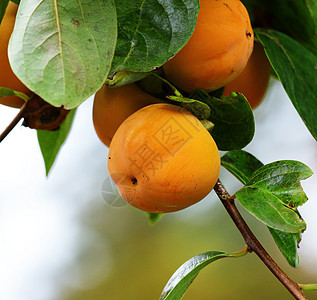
{"x": 61, "y": 52}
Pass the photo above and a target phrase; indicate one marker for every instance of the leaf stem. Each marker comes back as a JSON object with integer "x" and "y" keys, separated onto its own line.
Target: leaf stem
{"x": 241, "y": 253}
{"x": 13, "y": 123}
{"x": 308, "y": 287}
{"x": 254, "y": 245}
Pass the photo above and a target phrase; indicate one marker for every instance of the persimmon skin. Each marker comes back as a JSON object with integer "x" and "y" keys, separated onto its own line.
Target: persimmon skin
{"x": 113, "y": 105}
{"x": 218, "y": 50}
{"x": 254, "y": 79}
{"x": 157, "y": 172}
{"x": 7, "y": 77}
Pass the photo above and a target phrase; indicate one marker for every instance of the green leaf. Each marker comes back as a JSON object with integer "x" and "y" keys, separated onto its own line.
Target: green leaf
{"x": 179, "y": 283}
{"x": 273, "y": 192}
{"x": 282, "y": 179}
{"x": 287, "y": 243}
{"x": 297, "y": 19}
{"x": 241, "y": 164}
{"x": 51, "y": 141}
{"x": 4, "y": 92}
{"x": 233, "y": 119}
{"x": 270, "y": 210}
{"x": 3, "y": 7}
{"x": 296, "y": 67}
{"x": 197, "y": 108}
{"x": 152, "y": 31}
{"x": 16, "y": 1}
{"x": 63, "y": 51}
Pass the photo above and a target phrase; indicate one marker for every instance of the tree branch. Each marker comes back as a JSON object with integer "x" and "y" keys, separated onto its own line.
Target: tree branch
{"x": 254, "y": 245}
{"x": 13, "y": 123}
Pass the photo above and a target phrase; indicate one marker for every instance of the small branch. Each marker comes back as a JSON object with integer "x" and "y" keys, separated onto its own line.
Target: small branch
{"x": 254, "y": 245}
{"x": 13, "y": 123}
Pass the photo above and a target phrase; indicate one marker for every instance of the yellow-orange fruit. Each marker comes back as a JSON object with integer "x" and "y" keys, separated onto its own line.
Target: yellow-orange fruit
{"x": 254, "y": 79}
{"x": 7, "y": 77}
{"x": 162, "y": 159}
{"x": 113, "y": 105}
{"x": 217, "y": 51}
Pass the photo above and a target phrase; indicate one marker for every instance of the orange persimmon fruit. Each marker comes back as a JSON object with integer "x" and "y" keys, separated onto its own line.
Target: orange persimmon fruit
{"x": 7, "y": 77}
{"x": 254, "y": 79}
{"x": 218, "y": 50}
{"x": 113, "y": 105}
{"x": 162, "y": 159}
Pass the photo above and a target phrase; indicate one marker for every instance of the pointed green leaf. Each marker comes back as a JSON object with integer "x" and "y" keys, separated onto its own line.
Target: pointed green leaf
{"x": 152, "y": 31}
{"x": 51, "y": 141}
{"x": 273, "y": 192}
{"x": 62, "y": 50}
{"x": 233, "y": 119}
{"x": 287, "y": 243}
{"x": 282, "y": 179}
{"x": 178, "y": 284}
{"x": 241, "y": 164}
{"x": 269, "y": 210}
{"x": 296, "y": 67}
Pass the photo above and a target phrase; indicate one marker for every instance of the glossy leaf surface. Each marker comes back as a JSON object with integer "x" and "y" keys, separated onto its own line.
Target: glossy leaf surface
{"x": 296, "y": 68}
{"x": 152, "y": 31}
{"x": 233, "y": 119}
{"x": 62, "y": 49}
{"x": 273, "y": 192}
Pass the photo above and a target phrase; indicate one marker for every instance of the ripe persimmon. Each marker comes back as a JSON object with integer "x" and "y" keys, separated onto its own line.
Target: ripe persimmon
{"x": 218, "y": 50}
{"x": 7, "y": 77}
{"x": 254, "y": 79}
{"x": 162, "y": 159}
{"x": 113, "y": 105}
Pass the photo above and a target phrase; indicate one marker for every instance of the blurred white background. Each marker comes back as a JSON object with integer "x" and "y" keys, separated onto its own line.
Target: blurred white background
{"x": 40, "y": 227}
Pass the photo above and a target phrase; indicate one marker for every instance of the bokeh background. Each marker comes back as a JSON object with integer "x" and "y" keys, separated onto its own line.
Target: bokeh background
{"x": 61, "y": 240}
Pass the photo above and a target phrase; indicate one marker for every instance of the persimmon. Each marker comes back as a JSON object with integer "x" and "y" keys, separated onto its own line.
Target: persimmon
{"x": 162, "y": 159}
{"x": 254, "y": 79}
{"x": 113, "y": 105}
{"x": 7, "y": 77}
{"x": 218, "y": 50}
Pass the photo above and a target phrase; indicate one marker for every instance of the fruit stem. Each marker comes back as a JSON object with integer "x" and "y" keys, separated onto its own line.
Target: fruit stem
{"x": 13, "y": 123}
{"x": 254, "y": 245}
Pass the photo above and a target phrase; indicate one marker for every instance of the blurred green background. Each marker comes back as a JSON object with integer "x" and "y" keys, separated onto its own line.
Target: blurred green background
{"x": 123, "y": 257}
